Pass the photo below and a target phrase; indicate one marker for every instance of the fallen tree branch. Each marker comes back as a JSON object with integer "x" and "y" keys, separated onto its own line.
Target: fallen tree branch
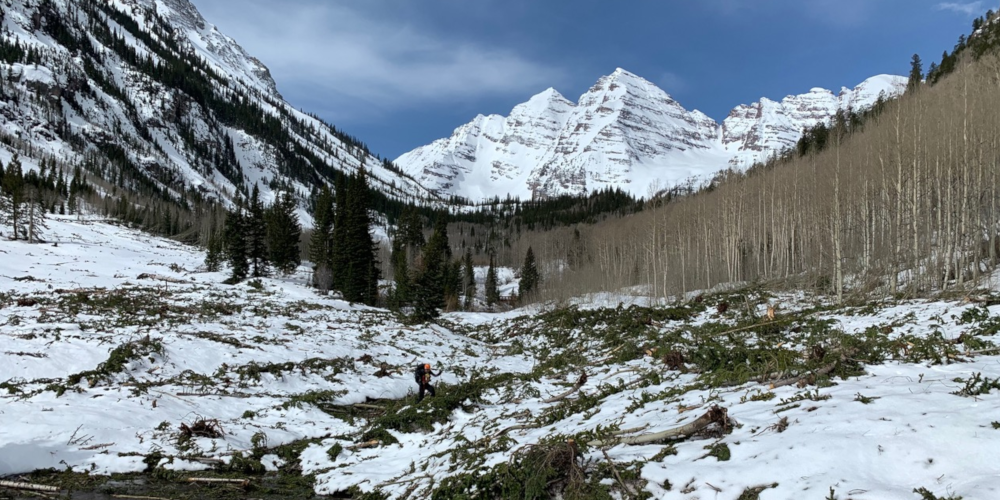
{"x": 758, "y": 325}
{"x": 218, "y": 480}
{"x": 160, "y": 277}
{"x": 505, "y": 430}
{"x": 576, "y": 387}
{"x": 800, "y": 378}
{"x": 614, "y": 470}
{"x": 138, "y": 497}
{"x": 715, "y": 415}
{"x": 630, "y": 431}
{"x": 619, "y": 372}
{"x": 368, "y": 407}
{"x": 374, "y": 443}
{"x": 28, "y": 486}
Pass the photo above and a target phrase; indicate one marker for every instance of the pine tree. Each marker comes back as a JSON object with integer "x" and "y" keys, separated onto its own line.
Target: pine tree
{"x": 469, "y": 278}
{"x": 215, "y": 254}
{"x": 321, "y": 241}
{"x": 529, "y": 276}
{"x": 13, "y": 189}
{"x": 283, "y": 234}
{"x": 916, "y": 73}
{"x": 236, "y": 245}
{"x": 361, "y": 273}
{"x": 429, "y": 289}
{"x": 257, "y": 236}
{"x": 492, "y": 287}
{"x": 338, "y": 247}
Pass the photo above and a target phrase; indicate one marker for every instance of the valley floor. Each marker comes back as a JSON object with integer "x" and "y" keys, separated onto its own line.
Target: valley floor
{"x": 118, "y": 354}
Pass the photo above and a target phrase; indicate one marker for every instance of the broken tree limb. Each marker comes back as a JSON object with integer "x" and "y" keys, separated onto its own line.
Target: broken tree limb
{"x": 715, "y": 415}
{"x": 160, "y": 277}
{"x": 138, "y": 497}
{"x": 625, "y": 488}
{"x": 619, "y": 372}
{"x": 374, "y": 443}
{"x": 630, "y": 431}
{"x": 576, "y": 387}
{"x": 799, "y": 378}
{"x": 368, "y": 407}
{"x": 28, "y": 486}
{"x": 505, "y": 430}
{"x": 758, "y": 325}
{"x": 218, "y": 480}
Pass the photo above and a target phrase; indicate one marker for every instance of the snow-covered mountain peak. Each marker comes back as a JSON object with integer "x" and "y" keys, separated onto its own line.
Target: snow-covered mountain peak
{"x": 624, "y": 132}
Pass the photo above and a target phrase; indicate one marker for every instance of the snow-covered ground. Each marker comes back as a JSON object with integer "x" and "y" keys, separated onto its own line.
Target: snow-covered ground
{"x": 100, "y": 368}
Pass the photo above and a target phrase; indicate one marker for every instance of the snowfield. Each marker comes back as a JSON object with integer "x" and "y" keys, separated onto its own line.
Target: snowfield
{"x": 118, "y": 353}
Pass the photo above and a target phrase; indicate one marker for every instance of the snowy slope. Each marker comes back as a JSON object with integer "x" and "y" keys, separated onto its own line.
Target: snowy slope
{"x": 623, "y": 132}
{"x": 276, "y": 361}
{"x": 213, "y": 122}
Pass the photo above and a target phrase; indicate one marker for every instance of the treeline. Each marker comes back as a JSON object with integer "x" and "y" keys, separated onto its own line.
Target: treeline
{"x": 906, "y": 202}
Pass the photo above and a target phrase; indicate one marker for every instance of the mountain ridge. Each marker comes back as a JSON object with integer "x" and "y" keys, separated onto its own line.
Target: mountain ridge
{"x": 623, "y": 132}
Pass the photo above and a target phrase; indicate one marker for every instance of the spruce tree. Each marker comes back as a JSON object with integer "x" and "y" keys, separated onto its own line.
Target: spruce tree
{"x": 360, "y": 272}
{"x": 429, "y": 289}
{"x": 321, "y": 241}
{"x": 469, "y": 279}
{"x": 492, "y": 286}
{"x": 529, "y": 276}
{"x": 257, "y": 236}
{"x": 236, "y": 245}
{"x": 215, "y": 254}
{"x": 916, "y": 73}
{"x": 13, "y": 189}
{"x": 283, "y": 233}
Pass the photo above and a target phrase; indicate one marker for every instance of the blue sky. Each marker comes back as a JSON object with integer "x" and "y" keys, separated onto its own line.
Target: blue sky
{"x": 401, "y": 73}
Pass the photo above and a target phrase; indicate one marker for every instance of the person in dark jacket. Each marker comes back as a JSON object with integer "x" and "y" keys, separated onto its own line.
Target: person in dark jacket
{"x": 423, "y": 376}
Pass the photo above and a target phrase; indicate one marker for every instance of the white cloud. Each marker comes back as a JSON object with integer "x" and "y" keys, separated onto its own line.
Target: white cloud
{"x": 969, "y": 9}
{"x": 358, "y": 60}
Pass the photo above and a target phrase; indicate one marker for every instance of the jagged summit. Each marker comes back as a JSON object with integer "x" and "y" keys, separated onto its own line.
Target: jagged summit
{"x": 622, "y": 132}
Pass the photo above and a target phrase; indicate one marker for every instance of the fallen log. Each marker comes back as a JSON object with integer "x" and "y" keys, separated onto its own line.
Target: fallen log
{"x": 159, "y": 277}
{"x": 576, "y": 387}
{"x": 800, "y": 378}
{"x": 374, "y": 443}
{"x": 715, "y": 415}
{"x": 28, "y": 486}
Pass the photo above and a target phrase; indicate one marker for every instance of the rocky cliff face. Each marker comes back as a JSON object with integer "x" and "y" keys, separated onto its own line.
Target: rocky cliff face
{"x": 752, "y": 133}
{"x": 150, "y": 92}
{"x": 624, "y": 132}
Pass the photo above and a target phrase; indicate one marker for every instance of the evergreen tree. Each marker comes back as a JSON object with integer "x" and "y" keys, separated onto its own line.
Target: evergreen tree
{"x": 429, "y": 289}
{"x": 338, "y": 248}
{"x": 469, "y": 280}
{"x": 529, "y": 276}
{"x": 283, "y": 234}
{"x": 402, "y": 294}
{"x": 361, "y": 273}
{"x": 236, "y": 245}
{"x": 492, "y": 287}
{"x": 321, "y": 241}
{"x": 916, "y": 73}
{"x": 13, "y": 189}
{"x": 257, "y": 236}
{"x": 215, "y": 254}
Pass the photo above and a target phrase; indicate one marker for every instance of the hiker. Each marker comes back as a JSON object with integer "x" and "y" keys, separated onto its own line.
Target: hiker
{"x": 423, "y": 375}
